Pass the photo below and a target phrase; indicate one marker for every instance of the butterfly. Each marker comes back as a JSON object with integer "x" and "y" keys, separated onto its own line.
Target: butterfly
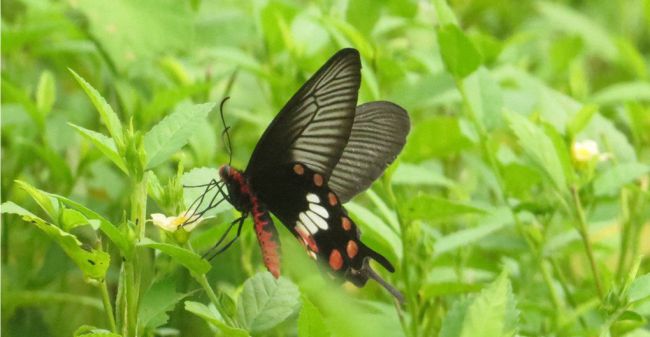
{"x": 319, "y": 152}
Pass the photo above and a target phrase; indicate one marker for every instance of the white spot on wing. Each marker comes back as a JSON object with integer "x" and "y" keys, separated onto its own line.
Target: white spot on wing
{"x": 311, "y": 197}
{"x": 320, "y": 222}
{"x": 306, "y": 221}
{"x": 313, "y": 255}
{"x": 320, "y": 210}
{"x": 300, "y": 228}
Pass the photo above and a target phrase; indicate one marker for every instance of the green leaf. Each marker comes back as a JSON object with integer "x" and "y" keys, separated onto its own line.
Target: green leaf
{"x": 91, "y": 331}
{"x": 174, "y": 131}
{"x": 160, "y": 298}
{"x": 266, "y": 302}
{"x": 438, "y": 289}
{"x": 420, "y": 175}
{"x": 581, "y": 119}
{"x": 45, "y": 93}
{"x": 611, "y": 181}
{"x": 129, "y": 39}
{"x": 41, "y": 198}
{"x": 106, "y": 113}
{"x": 211, "y": 316}
{"x": 188, "y": 259}
{"x": 118, "y": 238}
{"x": 311, "y": 322}
{"x": 347, "y": 34}
{"x": 623, "y": 92}
{"x": 459, "y": 54}
{"x": 491, "y": 313}
{"x": 364, "y": 14}
{"x": 606, "y": 132}
{"x": 71, "y": 218}
{"x": 452, "y": 325}
{"x": 105, "y": 144}
{"x": 562, "y": 150}
{"x": 92, "y": 262}
{"x": 444, "y": 13}
{"x": 491, "y": 223}
{"x": 425, "y": 141}
{"x": 639, "y": 289}
{"x": 376, "y": 232}
{"x": 539, "y": 146}
{"x": 436, "y": 208}
{"x": 630, "y": 58}
{"x": 484, "y": 97}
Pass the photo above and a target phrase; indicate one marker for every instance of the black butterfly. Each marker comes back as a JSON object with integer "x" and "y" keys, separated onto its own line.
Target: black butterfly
{"x": 320, "y": 151}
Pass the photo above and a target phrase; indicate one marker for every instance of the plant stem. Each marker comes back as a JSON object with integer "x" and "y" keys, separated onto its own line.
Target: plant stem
{"x": 626, "y": 231}
{"x": 410, "y": 295}
{"x": 108, "y": 308}
{"x": 203, "y": 281}
{"x": 584, "y": 235}
{"x": 131, "y": 299}
{"x": 131, "y": 265}
{"x": 564, "y": 283}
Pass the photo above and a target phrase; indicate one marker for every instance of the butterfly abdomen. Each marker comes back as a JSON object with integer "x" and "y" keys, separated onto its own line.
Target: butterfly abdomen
{"x": 246, "y": 201}
{"x": 267, "y": 236}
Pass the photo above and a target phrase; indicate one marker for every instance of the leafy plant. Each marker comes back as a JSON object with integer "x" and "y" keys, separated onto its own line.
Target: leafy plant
{"x": 519, "y": 205}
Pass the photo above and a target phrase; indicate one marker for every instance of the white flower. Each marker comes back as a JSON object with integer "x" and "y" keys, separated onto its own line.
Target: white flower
{"x": 585, "y": 151}
{"x": 173, "y": 223}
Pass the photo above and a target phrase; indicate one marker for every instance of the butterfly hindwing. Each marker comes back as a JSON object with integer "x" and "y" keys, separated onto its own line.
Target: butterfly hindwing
{"x": 378, "y": 135}
{"x": 314, "y": 214}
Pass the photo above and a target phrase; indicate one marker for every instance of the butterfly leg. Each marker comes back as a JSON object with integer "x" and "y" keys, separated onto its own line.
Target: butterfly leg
{"x": 240, "y": 222}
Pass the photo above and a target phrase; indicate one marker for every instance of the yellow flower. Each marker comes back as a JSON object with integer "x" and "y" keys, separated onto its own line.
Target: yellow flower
{"x": 585, "y": 151}
{"x": 173, "y": 223}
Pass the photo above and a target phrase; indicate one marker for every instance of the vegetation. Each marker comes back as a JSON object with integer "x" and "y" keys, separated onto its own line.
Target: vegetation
{"x": 519, "y": 206}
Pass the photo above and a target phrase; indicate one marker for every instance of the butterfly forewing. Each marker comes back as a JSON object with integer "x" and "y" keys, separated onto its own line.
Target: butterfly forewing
{"x": 314, "y": 126}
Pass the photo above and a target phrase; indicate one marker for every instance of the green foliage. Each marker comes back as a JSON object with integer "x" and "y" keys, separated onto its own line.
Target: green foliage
{"x": 173, "y": 132}
{"x": 311, "y": 322}
{"x": 491, "y": 313}
{"x": 93, "y": 263}
{"x": 265, "y": 302}
{"x": 188, "y": 259}
{"x": 519, "y": 206}
{"x": 458, "y": 53}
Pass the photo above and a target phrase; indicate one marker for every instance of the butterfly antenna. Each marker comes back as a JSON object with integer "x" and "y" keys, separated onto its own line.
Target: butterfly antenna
{"x": 225, "y": 135}
{"x": 198, "y": 208}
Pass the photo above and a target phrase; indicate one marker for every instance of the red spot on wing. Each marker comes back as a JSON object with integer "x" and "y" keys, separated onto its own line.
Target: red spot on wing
{"x": 346, "y": 223}
{"x": 332, "y": 199}
{"x": 299, "y": 169}
{"x": 336, "y": 260}
{"x": 318, "y": 180}
{"x": 352, "y": 249}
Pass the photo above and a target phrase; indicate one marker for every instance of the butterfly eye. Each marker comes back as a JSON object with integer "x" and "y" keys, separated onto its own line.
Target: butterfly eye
{"x": 224, "y": 171}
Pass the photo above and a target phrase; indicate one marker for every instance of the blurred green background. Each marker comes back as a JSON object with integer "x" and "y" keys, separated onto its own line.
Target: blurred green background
{"x": 492, "y": 180}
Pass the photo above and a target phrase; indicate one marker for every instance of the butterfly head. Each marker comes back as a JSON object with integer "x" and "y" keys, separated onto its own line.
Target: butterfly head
{"x": 238, "y": 191}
